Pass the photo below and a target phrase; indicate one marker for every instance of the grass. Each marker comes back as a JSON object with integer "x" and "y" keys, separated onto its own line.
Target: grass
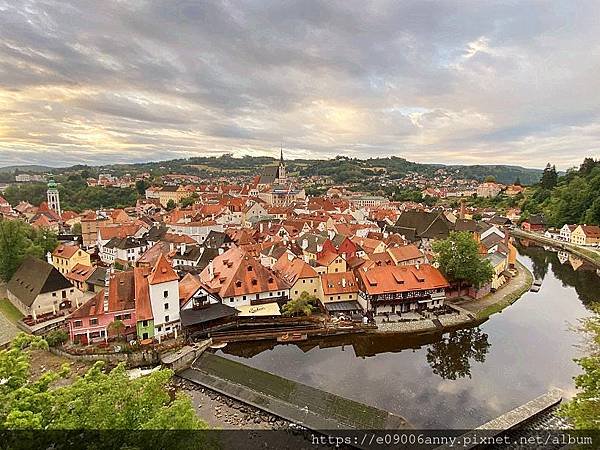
{"x": 325, "y": 404}
{"x": 10, "y": 311}
{"x": 508, "y": 299}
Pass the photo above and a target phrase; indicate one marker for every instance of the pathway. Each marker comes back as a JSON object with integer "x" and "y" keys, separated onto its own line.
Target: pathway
{"x": 496, "y": 301}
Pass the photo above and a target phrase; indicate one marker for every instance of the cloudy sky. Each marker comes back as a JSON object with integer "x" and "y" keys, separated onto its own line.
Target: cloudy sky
{"x": 452, "y": 82}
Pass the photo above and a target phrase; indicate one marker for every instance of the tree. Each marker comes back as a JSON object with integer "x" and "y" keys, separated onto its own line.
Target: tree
{"x": 549, "y": 177}
{"x": 584, "y": 409}
{"x": 171, "y": 204}
{"x": 460, "y": 261}
{"x": 490, "y": 179}
{"x": 76, "y": 229}
{"x": 99, "y": 400}
{"x": 13, "y": 246}
{"x": 450, "y": 358}
{"x": 518, "y": 182}
{"x": 116, "y": 328}
{"x": 302, "y": 306}
{"x": 141, "y": 186}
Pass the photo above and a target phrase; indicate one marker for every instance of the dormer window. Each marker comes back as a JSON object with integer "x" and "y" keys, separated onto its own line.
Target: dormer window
{"x": 254, "y": 281}
{"x": 238, "y": 283}
{"x": 250, "y": 269}
{"x": 271, "y": 280}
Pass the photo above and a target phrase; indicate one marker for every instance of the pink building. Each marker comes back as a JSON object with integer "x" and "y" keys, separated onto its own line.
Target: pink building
{"x": 90, "y": 322}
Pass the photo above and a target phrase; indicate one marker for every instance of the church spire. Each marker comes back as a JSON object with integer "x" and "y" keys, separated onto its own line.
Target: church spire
{"x": 281, "y": 158}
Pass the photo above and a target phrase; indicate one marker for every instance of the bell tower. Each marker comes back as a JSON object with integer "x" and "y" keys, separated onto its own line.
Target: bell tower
{"x": 53, "y": 196}
{"x": 281, "y": 175}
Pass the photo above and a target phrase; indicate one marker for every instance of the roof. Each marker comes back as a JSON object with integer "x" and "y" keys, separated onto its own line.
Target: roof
{"x": 143, "y": 306}
{"x": 346, "y": 305}
{"x": 213, "y": 311}
{"x": 65, "y": 250}
{"x": 293, "y": 270}
{"x": 405, "y": 253}
{"x": 80, "y": 273}
{"x": 124, "y": 243}
{"x": 35, "y": 277}
{"x": 421, "y": 224}
{"x": 236, "y": 273}
{"x": 339, "y": 283}
{"x": 465, "y": 225}
{"x": 163, "y": 272}
{"x": 496, "y": 258}
{"x": 188, "y": 286}
{"x": 97, "y": 278}
{"x": 393, "y": 279}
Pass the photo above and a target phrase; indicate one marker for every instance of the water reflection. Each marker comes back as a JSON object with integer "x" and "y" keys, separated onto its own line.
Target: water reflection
{"x": 459, "y": 379}
{"x": 450, "y": 358}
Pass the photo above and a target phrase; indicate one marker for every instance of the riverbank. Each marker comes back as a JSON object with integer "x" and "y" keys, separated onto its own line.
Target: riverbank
{"x": 589, "y": 255}
{"x": 495, "y": 302}
{"x": 468, "y": 311}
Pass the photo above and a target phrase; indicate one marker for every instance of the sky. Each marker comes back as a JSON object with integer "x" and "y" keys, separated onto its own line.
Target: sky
{"x": 456, "y": 82}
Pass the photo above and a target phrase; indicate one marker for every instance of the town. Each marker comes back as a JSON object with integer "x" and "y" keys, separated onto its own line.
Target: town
{"x": 195, "y": 257}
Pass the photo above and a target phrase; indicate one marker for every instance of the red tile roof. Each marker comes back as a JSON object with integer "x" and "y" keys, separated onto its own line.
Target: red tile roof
{"x": 143, "y": 306}
{"x": 236, "y": 273}
{"x": 339, "y": 283}
{"x": 163, "y": 272}
{"x": 391, "y": 279}
{"x": 405, "y": 252}
{"x": 65, "y": 251}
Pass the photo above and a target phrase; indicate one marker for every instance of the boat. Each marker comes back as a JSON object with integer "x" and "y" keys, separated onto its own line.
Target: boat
{"x": 536, "y": 286}
{"x": 219, "y": 345}
{"x": 292, "y": 337}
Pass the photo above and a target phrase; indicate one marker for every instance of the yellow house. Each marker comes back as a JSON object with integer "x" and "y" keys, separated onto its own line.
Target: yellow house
{"x": 175, "y": 193}
{"x": 301, "y": 276}
{"x": 332, "y": 262}
{"x": 338, "y": 287}
{"x": 586, "y": 235}
{"x": 65, "y": 257}
{"x": 499, "y": 263}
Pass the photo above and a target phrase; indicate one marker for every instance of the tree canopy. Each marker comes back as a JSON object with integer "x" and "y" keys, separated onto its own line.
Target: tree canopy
{"x": 302, "y": 306}
{"x": 19, "y": 240}
{"x": 460, "y": 261}
{"x": 99, "y": 400}
{"x": 584, "y": 409}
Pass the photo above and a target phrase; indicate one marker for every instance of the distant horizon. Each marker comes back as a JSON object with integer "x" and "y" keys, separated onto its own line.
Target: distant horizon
{"x": 276, "y": 158}
{"x": 452, "y": 82}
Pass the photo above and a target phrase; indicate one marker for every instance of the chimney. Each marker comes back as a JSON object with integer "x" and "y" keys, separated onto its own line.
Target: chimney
{"x": 343, "y": 282}
{"x": 304, "y": 244}
{"x": 461, "y": 215}
{"x": 331, "y": 234}
{"x": 49, "y": 257}
{"x": 221, "y": 250}
{"x": 182, "y": 248}
{"x": 211, "y": 270}
{"x": 418, "y": 266}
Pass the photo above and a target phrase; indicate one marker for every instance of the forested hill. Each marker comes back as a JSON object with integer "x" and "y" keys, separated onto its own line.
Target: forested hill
{"x": 341, "y": 169}
{"x": 573, "y": 198}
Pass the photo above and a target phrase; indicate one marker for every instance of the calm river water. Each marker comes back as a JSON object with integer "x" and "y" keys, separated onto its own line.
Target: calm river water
{"x": 459, "y": 379}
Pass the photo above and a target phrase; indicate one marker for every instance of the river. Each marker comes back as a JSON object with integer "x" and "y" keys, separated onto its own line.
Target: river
{"x": 459, "y": 379}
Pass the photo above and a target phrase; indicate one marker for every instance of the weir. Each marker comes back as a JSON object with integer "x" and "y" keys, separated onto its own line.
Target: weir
{"x": 312, "y": 408}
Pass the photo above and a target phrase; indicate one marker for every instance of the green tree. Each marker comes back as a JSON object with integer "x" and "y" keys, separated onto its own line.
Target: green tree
{"x": 171, "y": 205}
{"x": 490, "y": 179}
{"x": 13, "y": 247}
{"x": 549, "y": 177}
{"x": 99, "y": 400}
{"x": 584, "y": 409}
{"x": 460, "y": 261}
{"x": 116, "y": 328}
{"x": 302, "y": 306}
{"x": 141, "y": 186}
{"x": 76, "y": 229}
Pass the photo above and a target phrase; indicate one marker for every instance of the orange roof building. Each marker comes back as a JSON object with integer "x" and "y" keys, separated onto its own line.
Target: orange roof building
{"x": 398, "y": 289}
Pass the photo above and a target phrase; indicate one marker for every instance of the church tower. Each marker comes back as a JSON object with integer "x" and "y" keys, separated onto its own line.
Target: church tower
{"x": 53, "y": 197}
{"x": 281, "y": 176}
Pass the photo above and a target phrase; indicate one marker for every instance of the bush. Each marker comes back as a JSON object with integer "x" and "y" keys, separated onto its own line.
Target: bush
{"x": 56, "y": 337}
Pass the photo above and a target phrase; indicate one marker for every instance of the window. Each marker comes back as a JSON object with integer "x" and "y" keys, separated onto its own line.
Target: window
{"x": 94, "y": 321}
{"x": 64, "y": 294}
{"x": 145, "y": 324}
{"x": 166, "y": 294}
{"x": 166, "y": 306}
{"x": 231, "y": 300}
{"x": 166, "y": 318}
{"x": 54, "y": 294}
{"x": 78, "y": 324}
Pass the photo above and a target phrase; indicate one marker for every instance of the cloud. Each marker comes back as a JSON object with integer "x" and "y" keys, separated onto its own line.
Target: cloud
{"x": 451, "y": 82}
